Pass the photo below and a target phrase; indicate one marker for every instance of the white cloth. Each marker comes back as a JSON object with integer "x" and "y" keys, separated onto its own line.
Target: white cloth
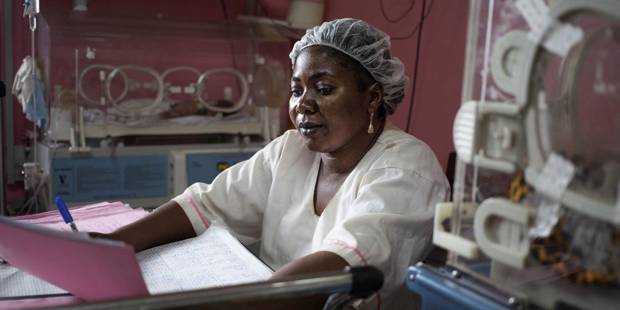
{"x": 381, "y": 215}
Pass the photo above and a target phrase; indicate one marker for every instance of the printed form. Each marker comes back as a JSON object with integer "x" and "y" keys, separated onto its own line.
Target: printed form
{"x": 213, "y": 259}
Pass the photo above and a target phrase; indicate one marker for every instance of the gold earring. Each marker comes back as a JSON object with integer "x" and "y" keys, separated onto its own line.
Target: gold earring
{"x": 371, "y": 128}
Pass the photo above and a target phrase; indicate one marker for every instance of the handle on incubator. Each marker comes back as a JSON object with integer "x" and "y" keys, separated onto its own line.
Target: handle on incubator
{"x": 452, "y": 242}
{"x": 514, "y": 222}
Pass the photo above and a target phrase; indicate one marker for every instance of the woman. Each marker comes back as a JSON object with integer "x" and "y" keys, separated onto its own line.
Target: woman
{"x": 344, "y": 188}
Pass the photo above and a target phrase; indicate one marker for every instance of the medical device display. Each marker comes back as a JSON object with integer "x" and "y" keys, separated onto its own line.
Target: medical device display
{"x": 537, "y": 202}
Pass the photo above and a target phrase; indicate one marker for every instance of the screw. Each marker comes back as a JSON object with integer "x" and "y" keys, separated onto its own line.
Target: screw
{"x": 456, "y": 274}
{"x": 513, "y": 301}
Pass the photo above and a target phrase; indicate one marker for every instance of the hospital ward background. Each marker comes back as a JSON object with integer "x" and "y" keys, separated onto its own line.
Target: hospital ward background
{"x": 110, "y": 109}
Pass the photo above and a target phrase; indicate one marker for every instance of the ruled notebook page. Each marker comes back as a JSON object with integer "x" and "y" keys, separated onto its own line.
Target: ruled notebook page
{"x": 213, "y": 259}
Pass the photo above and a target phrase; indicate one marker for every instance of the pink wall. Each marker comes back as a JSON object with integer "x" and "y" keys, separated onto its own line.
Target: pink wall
{"x": 440, "y": 76}
{"x": 186, "y": 10}
{"x": 428, "y": 114}
{"x": 20, "y": 44}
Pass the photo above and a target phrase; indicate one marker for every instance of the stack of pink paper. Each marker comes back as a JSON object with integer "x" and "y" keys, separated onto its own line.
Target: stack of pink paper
{"x": 90, "y": 269}
{"x": 103, "y": 217}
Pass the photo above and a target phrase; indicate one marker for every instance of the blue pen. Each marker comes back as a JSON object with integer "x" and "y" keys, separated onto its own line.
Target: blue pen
{"x": 64, "y": 211}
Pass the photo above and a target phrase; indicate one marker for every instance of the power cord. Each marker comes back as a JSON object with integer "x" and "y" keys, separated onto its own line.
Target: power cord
{"x": 418, "y": 26}
{"x": 401, "y": 16}
{"x": 417, "y": 60}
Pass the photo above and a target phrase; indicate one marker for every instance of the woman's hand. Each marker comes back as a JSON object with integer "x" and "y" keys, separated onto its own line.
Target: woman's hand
{"x": 166, "y": 224}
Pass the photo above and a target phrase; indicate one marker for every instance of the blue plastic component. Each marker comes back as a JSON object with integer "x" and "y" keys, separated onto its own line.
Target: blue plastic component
{"x": 118, "y": 177}
{"x": 440, "y": 289}
{"x": 205, "y": 167}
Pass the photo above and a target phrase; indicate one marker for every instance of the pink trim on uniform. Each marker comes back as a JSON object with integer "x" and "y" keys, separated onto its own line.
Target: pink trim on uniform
{"x": 358, "y": 253}
{"x": 202, "y": 219}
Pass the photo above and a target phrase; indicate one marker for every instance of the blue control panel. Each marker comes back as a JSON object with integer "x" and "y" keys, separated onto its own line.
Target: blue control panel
{"x": 205, "y": 167}
{"x": 104, "y": 178}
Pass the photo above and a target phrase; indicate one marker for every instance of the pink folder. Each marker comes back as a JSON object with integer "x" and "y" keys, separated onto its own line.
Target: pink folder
{"x": 91, "y": 269}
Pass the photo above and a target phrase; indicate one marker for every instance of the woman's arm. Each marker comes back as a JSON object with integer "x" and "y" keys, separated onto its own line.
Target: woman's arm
{"x": 317, "y": 262}
{"x": 314, "y": 263}
{"x": 166, "y": 224}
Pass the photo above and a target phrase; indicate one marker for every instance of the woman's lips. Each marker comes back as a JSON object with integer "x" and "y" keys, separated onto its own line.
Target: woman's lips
{"x": 309, "y": 129}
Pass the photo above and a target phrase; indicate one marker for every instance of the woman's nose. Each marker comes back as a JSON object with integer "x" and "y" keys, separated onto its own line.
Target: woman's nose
{"x": 305, "y": 104}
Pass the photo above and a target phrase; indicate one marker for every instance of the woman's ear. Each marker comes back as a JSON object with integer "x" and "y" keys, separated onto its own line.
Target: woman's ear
{"x": 376, "y": 97}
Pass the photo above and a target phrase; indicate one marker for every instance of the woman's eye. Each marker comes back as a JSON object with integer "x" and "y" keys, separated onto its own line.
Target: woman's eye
{"x": 296, "y": 92}
{"x": 325, "y": 91}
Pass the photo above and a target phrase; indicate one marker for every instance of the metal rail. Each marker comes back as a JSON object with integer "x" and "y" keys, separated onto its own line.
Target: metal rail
{"x": 357, "y": 281}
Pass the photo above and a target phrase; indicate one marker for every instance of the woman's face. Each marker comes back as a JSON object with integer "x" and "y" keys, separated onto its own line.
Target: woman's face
{"x": 326, "y": 105}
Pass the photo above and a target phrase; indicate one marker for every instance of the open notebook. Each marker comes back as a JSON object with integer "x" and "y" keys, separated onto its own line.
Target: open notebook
{"x": 212, "y": 259}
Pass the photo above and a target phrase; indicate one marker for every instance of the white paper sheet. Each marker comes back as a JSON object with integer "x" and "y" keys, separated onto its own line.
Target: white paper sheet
{"x": 213, "y": 259}
{"x": 15, "y": 283}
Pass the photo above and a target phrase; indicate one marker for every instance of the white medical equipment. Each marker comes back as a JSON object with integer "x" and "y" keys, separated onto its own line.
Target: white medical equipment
{"x": 537, "y": 191}
{"x": 132, "y": 98}
{"x": 131, "y": 75}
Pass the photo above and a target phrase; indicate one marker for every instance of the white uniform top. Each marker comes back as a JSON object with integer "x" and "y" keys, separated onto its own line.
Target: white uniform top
{"x": 381, "y": 215}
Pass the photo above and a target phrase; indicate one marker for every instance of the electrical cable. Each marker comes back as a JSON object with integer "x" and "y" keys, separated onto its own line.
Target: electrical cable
{"x": 401, "y": 16}
{"x": 415, "y": 75}
{"x": 419, "y": 24}
{"x": 232, "y": 43}
{"x": 228, "y": 32}
{"x": 224, "y": 10}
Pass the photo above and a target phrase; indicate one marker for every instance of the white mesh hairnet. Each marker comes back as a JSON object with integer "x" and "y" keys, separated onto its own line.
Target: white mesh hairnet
{"x": 366, "y": 44}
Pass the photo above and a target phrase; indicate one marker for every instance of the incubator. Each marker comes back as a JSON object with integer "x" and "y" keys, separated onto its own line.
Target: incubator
{"x": 129, "y": 99}
{"x": 123, "y": 77}
{"x": 535, "y": 220}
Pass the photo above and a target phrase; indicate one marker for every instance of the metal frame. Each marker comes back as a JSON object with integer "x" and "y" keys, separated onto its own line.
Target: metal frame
{"x": 357, "y": 281}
